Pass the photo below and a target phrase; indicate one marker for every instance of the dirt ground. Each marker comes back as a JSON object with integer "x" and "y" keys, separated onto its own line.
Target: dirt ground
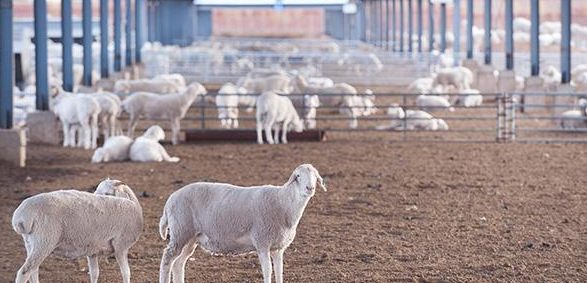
{"x": 394, "y": 211}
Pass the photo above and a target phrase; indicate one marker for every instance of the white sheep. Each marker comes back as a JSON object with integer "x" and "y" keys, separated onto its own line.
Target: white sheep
{"x": 358, "y": 106}
{"x": 522, "y": 25}
{"x": 116, "y": 148}
{"x": 551, "y": 77}
{"x": 110, "y": 109}
{"x": 433, "y": 102}
{"x": 412, "y": 120}
{"x": 229, "y": 220}
{"x": 159, "y": 107}
{"x": 575, "y": 118}
{"x": 77, "y": 110}
{"x": 161, "y": 86}
{"x": 278, "y": 83}
{"x": 73, "y": 224}
{"x": 275, "y": 111}
{"x": 421, "y": 85}
{"x": 311, "y": 103}
{"x": 459, "y": 77}
{"x": 176, "y": 78}
{"x": 147, "y": 148}
{"x": 321, "y": 81}
{"x": 227, "y": 102}
{"x": 470, "y": 98}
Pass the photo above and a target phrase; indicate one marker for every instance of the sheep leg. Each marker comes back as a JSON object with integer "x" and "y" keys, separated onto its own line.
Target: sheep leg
{"x": 178, "y": 267}
{"x": 284, "y": 132}
{"x": 265, "y": 260}
{"x": 259, "y": 132}
{"x": 30, "y": 268}
{"x": 66, "y": 135}
{"x": 34, "y": 276}
{"x": 235, "y": 118}
{"x": 175, "y": 131}
{"x": 132, "y": 124}
{"x": 94, "y": 128}
{"x": 277, "y": 257}
{"x": 112, "y": 125}
{"x": 86, "y": 134}
{"x": 165, "y": 156}
{"x": 173, "y": 250}
{"x": 268, "y": 126}
{"x": 122, "y": 259}
{"x": 94, "y": 270}
{"x": 276, "y": 133}
{"x": 105, "y": 128}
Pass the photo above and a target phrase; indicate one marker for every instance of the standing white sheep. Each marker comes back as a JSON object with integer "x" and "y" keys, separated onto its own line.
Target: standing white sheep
{"x": 81, "y": 110}
{"x": 73, "y": 224}
{"x": 459, "y": 77}
{"x": 275, "y": 111}
{"x": 230, "y": 220}
{"x": 227, "y": 102}
{"x": 161, "y": 107}
{"x": 311, "y": 103}
{"x": 412, "y": 120}
{"x": 147, "y": 148}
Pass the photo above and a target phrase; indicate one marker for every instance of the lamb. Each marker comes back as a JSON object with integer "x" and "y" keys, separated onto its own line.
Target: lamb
{"x": 73, "y": 224}
{"x": 227, "y": 102}
{"x": 278, "y": 83}
{"x": 459, "y": 77}
{"x": 146, "y": 148}
{"x": 434, "y": 102}
{"x": 422, "y": 85}
{"x": 110, "y": 109}
{"x": 229, "y": 220}
{"x": 176, "y": 78}
{"x": 522, "y": 25}
{"x": 574, "y": 119}
{"x": 551, "y": 77}
{"x": 79, "y": 110}
{"x": 358, "y": 106}
{"x": 311, "y": 103}
{"x": 115, "y": 148}
{"x": 470, "y": 98}
{"x": 412, "y": 120}
{"x": 273, "y": 111}
{"x": 161, "y": 86}
{"x": 158, "y": 107}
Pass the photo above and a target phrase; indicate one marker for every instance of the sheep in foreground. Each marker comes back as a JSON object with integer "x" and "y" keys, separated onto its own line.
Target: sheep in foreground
{"x": 73, "y": 224}
{"x": 114, "y": 149}
{"x": 275, "y": 111}
{"x": 230, "y": 220}
{"x": 161, "y": 107}
{"x": 147, "y": 148}
{"x": 74, "y": 110}
{"x": 433, "y": 102}
{"x": 412, "y": 120}
{"x": 227, "y": 102}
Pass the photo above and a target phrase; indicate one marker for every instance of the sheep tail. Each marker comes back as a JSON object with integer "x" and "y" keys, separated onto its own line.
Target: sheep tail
{"x": 23, "y": 226}
{"x": 163, "y": 225}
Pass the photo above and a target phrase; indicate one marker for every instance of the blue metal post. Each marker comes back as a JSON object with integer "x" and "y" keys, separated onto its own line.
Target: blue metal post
{"x": 117, "y": 36}
{"x": 487, "y": 32}
{"x": 534, "y": 39}
{"x": 456, "y": 26}
{"x": 87, "y": 41}
{"x": 360, "y": 27}
{"x": 386, "y": 24}
{"x": 401, "y": 25}
{"x": 410, "y": 26}
{"x": 67, "y": 43}
{"x": 442, "y": 27}
{"x": 381, "y": 23}
{"x": 430, "y": 25}
{"x": 393, "y": 26}
{"x": 104, "y": 38}
{"x": 127, "y": 34}
{"x": 469, "y": 29}
{"x": 138, "y": 29}
{"x": 566, "y": 41}
{"x": 509, "y": 35}
{"x": 6, "y": 80}
{"x": 42, "y": 85}
{"x": 419, "y": 26}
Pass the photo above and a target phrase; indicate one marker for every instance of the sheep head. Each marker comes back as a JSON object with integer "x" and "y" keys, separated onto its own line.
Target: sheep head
{"x": 154, "y": 132}
{"x": 305, "y": 178}
{"x": 396, "y": 112}
{"x": 110, "y": 187}
{"x": 100, "y": 155}
{"x": 195, "y": 89}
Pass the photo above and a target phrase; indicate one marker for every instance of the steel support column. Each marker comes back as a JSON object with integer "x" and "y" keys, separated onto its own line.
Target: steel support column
{"x": 42, "y": 83}
{"x": 67, "y": 45}
{"x": 410, "y": 26}
{"x": 401, "y": 25}
{"x": 139, "y": 6}
{"x": 393, "y": 26}
{"x": 469, "y": 29}
{"x": 442, "y": 27}
{"x": 509, "y": 35}
{"x": 6, "y": 75}
{"x": 127, "y": 33}
{"x": 487, "y": 32}
{"x": 456, "y": 26}
{"x": 104, "y": 39}
{"x": 419, "y": 26}
{"x": 430, "y": 25}
{"x": 386, "y": 24}
{"x": 566, "y": 41}
{"x": 535, "y": 38}
{"x": 117, "y": 36}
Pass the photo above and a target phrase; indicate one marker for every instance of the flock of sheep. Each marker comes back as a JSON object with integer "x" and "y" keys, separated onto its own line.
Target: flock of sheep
{"x": 223, "y": 219}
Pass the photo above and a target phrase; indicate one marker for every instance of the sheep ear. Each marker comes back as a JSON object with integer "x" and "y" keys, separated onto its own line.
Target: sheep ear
{"x": 321, "y": 182}
{"x": 119, "y": 183}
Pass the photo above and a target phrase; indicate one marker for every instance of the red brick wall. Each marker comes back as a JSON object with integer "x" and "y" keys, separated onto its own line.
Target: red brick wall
{"x": 268, "y": 22}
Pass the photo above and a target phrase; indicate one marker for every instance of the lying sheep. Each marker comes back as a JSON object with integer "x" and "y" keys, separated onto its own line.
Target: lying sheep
{"x": 275, "y": 111}
{"x": 74, "y": 110}
{"x": 433, "y": 102}
{"x": 159, "y": 107}
{"x": 470, "y": 98}
{"x": 116, "y": 148}
{"x": 230, "y": 220}
{"x": 459, "y": 77}
{"x": 412, "y": 120}
{"x": 73, "y": 224}
{"x": 147, "y": 148}
{"x": 576, "y": 118}
{"x": 422, "y": 85}
{"x": 227, "y": 102}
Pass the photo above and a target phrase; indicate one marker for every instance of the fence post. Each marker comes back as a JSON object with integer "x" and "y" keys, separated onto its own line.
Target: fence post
{"x": 202, "y": 112}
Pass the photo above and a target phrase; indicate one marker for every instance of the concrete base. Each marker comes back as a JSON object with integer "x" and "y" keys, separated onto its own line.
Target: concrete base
{"x": 471, "y": 64}
{"x": 506, "y": 81}
{"x": 564, "y": 99}
{"x": 486, "y": 81}
{"x": 43, "y": 127}
{"x": 13, "y": 146}
{"x": 534, "y": 85}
